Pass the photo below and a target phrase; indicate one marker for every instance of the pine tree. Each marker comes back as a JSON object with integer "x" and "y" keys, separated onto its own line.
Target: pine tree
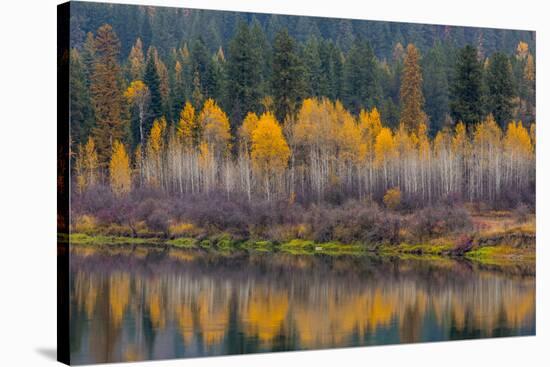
{"x": 136, "y": 61}
{"x": 81, "y": 112}
{"x": 466, "y": 94}
{"x": 361, "y": 88}
{"x": 288, "y": 77}
{"x": 312, "y": 64}
{"x": 244, "y": 74}
{"x": 152, "y": 80}
{"x": 88, "y": 57}
{"x": 436, "y": 88}
{"x": 106, "y": 93}
{"x": 411, "y": 97}
{"x": 530, "y": 88}
{"x": 146, "y": 31}
{"x": 261, "y": 43}
{"x": 501, "y": 93}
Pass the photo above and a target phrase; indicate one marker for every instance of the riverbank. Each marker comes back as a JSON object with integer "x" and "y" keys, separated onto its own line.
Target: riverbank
{"x": 494, "y": 247}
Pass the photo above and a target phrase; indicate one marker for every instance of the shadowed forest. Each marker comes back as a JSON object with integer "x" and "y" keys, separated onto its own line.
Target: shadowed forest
{"x": 190, "y": 123}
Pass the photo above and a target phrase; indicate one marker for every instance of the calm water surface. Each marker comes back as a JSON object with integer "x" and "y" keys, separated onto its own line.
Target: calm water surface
{"x": 129, "y": 305}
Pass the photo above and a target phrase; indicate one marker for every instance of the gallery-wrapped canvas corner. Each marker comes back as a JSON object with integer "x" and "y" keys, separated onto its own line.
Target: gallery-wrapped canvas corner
{"x": 233, "y": 183}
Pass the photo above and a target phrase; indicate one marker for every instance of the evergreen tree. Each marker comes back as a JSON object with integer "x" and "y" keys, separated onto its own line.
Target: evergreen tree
{"x": 361, "y": 88}
{"x": 106, "y": 93}
{"x": 436, "y": 88}
{"x": 466, "y": 91}
{"x": 244, "y": 75}
{"x": 146, "y": 31}
{"x": 312, "y": 64}
{"x": 88, "y": 57}
{"x": 259, "y": 40}
{"x": 199, "y": 64}
{"x": 152, "y": 80}
{"x": 288, "y": 77}
{"x": 411, "y": 97}
{"x": 81, "y": 112}
{"x": 500, "y": 88}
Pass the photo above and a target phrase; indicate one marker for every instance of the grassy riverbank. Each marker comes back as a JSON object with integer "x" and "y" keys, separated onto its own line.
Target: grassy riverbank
{"x": 515, "y": 245}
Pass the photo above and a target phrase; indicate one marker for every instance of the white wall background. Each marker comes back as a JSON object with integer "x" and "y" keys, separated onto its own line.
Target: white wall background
{"x": 28, "y": 191}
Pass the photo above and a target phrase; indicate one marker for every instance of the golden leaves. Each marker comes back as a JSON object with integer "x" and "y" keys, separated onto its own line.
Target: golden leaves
{"x": 270, "y": 151}
{"x": 119, "y": 169}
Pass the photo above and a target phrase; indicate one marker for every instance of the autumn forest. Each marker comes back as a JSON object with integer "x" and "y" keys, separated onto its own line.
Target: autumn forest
{"x": 254, "y": 113}
{"x": 246, "y": 182}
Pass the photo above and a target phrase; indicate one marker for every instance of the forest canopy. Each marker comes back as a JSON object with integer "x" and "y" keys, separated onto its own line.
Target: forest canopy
{"x": 299, "y": 108}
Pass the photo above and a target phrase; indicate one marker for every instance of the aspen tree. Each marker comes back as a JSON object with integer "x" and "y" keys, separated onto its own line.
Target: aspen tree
{"x": 119, "y": 170}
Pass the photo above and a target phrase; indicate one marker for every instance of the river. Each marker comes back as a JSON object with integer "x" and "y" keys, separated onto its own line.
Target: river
{"x": 142, "y": 304}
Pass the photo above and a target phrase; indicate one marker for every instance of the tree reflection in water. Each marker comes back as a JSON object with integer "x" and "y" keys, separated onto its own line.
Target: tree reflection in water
{"x": 130, "y": 305}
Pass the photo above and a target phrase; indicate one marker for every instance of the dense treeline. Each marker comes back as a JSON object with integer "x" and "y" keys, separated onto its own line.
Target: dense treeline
{"x": 328, "y": 155}
{"x": 167, "y": 28}
{"x": 267, "y": 115}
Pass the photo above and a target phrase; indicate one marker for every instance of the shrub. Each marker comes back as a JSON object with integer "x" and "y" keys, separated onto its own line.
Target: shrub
{"x": 436, "y": 221}
{"x": 182, "y": 229}
{"x": 158, "y": 221}
{"x": 392, "y": 198}
{"x": 85, "y": 224}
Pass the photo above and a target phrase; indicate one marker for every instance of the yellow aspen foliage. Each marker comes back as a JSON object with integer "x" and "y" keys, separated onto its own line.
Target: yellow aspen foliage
{"x": 404, "y": 145}
{"x": 307, "y": 123}
{"x": 215, "y": 128}
{"x": 267, "y": 103}
{"x": 187, "y": 126}
{"x": 318, "y": 123}
{"x": 185, "y": 51}
{"x": 529, "y": 69}
{"x": 392, "y": 198}
{"x": 384, "y": 147}
{"x": 517, "y": 139}
{"x": 80, "y": 174}
{"x": 86, "y": 165}
{"x": 250, "y": 123}
{"x": 423, "y": 141}
{"x": 442, "y": 141}
{"x": 119, "y": 170}
{"x": 351, "y": 148}
{"x": 522, "y": 50}
{"x": 533, "y": 134}
{"x": 205, "y": 156}
{"x": 487, "y": 133}
{"x": 270, "y": 151}
{"x": 156, "y": 136}
{"x": 370, "y": 126}
{"x": 135, "y": 90}
{"x": 460, "y": 141}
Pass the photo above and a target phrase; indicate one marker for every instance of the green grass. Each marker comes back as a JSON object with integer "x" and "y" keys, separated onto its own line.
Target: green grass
{"x": 84, "y": 239}
{"x": 500, "y": 255}
{"x": 306, "y": 247}
{"x": 260, "y": 246}
{"x": 225, "y": 244}
{"x": 183, "y": 242}
{"x": 416, "y": 249}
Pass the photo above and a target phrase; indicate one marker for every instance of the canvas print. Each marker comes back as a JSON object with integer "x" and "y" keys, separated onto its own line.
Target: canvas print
{"x": 235, "y": 183}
